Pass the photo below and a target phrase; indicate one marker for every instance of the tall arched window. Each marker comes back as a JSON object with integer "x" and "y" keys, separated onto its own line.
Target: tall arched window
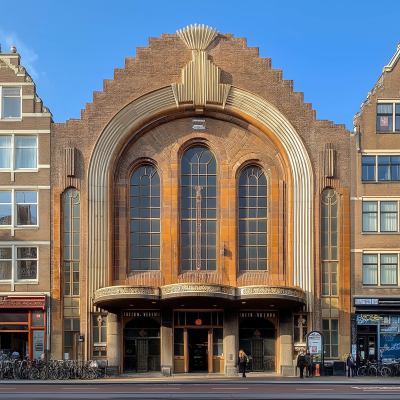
{"x": 145, "y": 219}
{"x": 199, "y": 210}
{"x": 72, "y": 219}
{"x": 330, "y": 270}
{"x": 253, "y": 214}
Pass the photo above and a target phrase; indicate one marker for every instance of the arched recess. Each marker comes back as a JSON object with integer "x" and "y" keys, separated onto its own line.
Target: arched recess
{"x": 147, "y": 110}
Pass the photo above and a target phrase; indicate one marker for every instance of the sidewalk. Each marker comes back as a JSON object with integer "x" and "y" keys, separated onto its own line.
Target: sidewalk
{"x": 188, "y": 379}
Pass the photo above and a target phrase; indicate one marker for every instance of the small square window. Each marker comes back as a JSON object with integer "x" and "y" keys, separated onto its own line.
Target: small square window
{"x": 11, "y": 103}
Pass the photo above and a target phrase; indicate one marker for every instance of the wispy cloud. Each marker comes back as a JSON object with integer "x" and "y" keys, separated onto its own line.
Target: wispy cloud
{"x": 28, "y": 56}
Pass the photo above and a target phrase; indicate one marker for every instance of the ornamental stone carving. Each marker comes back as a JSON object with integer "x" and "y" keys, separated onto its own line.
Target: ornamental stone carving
{"x": 200, "y": 77}
{"x": 273, "y": 290}
{"x": 197, "y": 288}
{"x": 121, "y": 290}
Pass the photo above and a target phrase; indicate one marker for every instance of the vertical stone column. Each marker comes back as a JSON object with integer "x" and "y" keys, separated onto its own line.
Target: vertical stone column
{"x": 114, "y": 340}
{"x": 231, "y": 340}
{"x": 167, "y": 355}
{"x": 286, "y": 343}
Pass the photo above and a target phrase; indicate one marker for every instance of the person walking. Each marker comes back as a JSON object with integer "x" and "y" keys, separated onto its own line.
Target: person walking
{"x": 301, "y": 363}
{"x": 308, "y": 364}
{"x": 242, "y": 363}
{"x": 350, "y": 366}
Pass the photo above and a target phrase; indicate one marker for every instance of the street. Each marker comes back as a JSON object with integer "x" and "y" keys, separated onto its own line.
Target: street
{"x": 211, "y": 390}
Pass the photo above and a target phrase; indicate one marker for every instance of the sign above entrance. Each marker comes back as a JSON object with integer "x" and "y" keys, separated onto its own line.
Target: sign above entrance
{"x": 366, "y": 302}
{"x": 198, "y": 322}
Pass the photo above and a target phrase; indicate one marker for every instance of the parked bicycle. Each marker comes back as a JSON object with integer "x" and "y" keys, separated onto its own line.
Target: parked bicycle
{"x": 50, "y": 370}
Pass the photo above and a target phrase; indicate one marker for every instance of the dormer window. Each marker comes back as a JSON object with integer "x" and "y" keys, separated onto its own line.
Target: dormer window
{"x": 386, "y": 114}
{"x": 11, "y": 103}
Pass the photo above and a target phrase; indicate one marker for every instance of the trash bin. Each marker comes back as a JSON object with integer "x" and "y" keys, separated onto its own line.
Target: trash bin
{"x": 339, "y": 368}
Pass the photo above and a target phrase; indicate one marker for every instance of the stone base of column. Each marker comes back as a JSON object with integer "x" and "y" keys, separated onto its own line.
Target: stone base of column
{"x": 231, "y": 370}
{"x": 288, "y": 370}
{"x": 166, "y": 371}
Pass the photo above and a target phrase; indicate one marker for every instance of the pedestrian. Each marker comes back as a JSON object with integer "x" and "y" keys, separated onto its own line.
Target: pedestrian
{"x": 350, "y": 366}
{"x": 301, "y": 363}
{"x": 242, "y": 363}
{"x": 308, "y": 363}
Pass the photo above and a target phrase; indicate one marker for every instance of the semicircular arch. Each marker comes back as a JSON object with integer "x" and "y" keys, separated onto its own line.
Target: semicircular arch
{"x": 240, "y": 103}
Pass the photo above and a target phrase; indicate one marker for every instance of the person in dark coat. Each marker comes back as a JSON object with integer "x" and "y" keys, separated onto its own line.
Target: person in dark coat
{"x": 350, "y": 366}
{"x": 242, "y": 363}
{"x": 301, "y": 363}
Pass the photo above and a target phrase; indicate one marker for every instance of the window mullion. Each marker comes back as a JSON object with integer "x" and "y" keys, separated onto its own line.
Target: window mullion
{"x": 379, "y": 216}
{"x": 1, "y": 102}
{"x": 13, "y": 152}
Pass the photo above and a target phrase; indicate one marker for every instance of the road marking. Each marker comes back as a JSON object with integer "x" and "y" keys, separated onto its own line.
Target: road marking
{"x": 79, "y": 388}
{"x": 161, "y": 389}
{"x": 230, "y": 388}
{"x": 314, "y": 389}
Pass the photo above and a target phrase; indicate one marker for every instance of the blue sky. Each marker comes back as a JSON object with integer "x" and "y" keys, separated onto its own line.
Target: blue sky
{"x": 334, "y": 51}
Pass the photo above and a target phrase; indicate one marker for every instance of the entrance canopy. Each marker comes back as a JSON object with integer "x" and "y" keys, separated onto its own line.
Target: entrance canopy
{"x": 195, "y": 295}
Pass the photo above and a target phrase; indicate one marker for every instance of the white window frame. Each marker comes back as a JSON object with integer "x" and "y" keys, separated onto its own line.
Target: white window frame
{"x": 376, "y": 177}
{"x": 13, "y": 167}
{"x": 393, "y": 103}
{"x": 14, "y": 263}
{"x": 14, "y": 215}
{"x": 385, "y": 200}
{"x": 378, "y": 254}
{"x": 1, "y": 103}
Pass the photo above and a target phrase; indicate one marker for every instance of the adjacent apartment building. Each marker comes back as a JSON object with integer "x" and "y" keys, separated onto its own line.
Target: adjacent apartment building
{"x": 24, "y": 212}
{"x": 198, "y": 207}
{"x": 375, "y": 195}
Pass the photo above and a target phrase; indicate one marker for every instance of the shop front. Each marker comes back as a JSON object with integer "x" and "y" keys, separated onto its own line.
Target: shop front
{"x": 22, "y": 326}
{"x": 377, "y": 333}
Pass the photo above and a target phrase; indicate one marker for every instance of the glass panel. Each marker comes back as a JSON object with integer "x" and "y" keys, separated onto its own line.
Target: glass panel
{"x": 252, "y": 199}
{"x": 198, "y": 191}
{"x": 388, "y": 216}
{"x": 11, "y": 107}
{"x": 146, "y": 225}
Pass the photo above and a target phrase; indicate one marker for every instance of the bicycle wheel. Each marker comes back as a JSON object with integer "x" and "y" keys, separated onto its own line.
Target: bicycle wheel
{"x": 34, "y": 373}
{"x": 361, "y": 371}
{"x": 372, "y": 371}
{"x": 386, "y": 371}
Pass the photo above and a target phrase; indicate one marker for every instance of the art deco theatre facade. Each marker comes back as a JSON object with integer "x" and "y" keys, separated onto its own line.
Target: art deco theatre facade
{"x": 199, "y": 208}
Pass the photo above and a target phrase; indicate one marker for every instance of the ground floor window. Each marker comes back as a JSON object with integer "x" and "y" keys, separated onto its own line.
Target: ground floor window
{"x": 330, "y": 329}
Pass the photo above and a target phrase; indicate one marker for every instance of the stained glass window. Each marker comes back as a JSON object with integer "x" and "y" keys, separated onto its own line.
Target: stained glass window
{"x": 199, "y": 210}
{"x": 253, "y": 221}
{"x": 145, "y": 219}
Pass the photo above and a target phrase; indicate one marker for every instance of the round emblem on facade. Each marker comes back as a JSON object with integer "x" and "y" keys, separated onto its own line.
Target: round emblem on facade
{"x": 38, "y": 316}
{"x": 198, "y": 321}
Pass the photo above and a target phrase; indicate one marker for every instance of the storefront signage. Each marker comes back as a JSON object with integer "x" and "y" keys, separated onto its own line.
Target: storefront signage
{"x": 99, "y": 344}
{"x": 366, "y": 302}
{"x": 22, "y": 302}
{"x": 315, "y": 345}
{"x": 368, "y": 319}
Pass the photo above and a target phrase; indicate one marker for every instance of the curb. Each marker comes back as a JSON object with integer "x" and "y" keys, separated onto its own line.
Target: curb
{"x": 137, "y": 381}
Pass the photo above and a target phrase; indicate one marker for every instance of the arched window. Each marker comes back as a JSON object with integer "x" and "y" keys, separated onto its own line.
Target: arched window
{"x": 253, "y": 214}
{"x": 72, "y": 219}
{"x": 199, "y": 210}
{"x": 145, "y": 219}
{"x": 330, "y": 271}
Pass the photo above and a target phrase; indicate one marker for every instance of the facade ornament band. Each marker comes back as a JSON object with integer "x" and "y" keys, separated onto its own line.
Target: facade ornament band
{"x": 200, "y": 77}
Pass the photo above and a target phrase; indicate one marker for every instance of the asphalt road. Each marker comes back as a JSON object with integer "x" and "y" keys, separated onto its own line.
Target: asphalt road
{"x": 302, "y": 390}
